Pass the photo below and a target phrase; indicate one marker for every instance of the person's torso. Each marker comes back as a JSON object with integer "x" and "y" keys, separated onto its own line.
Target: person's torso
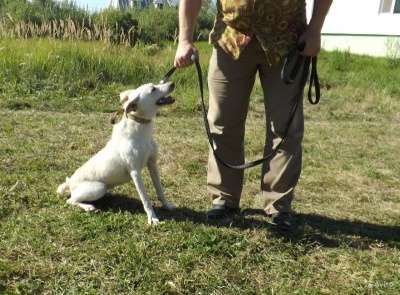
{"x": 276, "y": 24}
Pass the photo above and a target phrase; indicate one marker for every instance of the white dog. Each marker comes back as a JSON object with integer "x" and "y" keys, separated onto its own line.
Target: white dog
{"x": 130, "y": 148}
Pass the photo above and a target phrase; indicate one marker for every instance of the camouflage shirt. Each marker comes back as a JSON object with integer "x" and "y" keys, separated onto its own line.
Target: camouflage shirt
{"x": 277, "y": 24}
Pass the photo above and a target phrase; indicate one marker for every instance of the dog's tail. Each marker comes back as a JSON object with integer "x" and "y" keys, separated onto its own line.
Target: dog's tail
{"x": 63, "y": 189}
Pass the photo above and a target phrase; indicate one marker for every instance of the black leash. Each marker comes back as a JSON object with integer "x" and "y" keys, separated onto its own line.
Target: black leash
{"x": 291, "y": 67}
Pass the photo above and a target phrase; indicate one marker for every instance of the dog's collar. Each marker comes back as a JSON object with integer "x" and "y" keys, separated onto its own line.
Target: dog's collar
{"x": 135, "y": 118}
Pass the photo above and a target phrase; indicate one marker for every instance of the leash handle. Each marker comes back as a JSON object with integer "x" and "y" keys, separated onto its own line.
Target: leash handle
{"x": 291, "y": 66}
{"x": 314, "y": 81}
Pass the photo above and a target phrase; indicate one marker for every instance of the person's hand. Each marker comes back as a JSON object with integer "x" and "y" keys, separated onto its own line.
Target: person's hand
{"x": 312, "y": 39}
{"x": 184, "y": 54}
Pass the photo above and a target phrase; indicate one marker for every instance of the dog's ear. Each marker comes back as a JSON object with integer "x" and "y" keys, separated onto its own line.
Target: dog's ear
{"x": 132, "y": 106}
{"x": 124, "y": 96}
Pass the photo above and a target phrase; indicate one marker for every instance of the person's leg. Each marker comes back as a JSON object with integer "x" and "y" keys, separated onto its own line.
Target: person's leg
{"x": 281, "y": 174}
{"x": 230, "y": 83}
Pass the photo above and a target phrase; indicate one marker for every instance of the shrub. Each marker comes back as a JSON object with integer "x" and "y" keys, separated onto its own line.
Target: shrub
{"x": 121, "y": 25}
{"x": 393, "y": 51}
{"x": 205, "y": 21}
{"x": 156, "y": 25}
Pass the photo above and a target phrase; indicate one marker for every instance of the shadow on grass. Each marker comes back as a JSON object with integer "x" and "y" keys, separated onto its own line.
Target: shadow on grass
{"x": 118, "y": 203}
{"x": 310, "y": 229}
{"x": 342, "y": 232}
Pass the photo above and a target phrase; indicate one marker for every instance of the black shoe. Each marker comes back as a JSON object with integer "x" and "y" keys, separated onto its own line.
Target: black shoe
{"x": 283, "y": 220}
{"x": 222, "y": 213}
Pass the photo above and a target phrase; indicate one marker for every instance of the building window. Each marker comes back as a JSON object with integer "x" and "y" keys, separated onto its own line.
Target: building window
{"x": 397, "y": 7}
{"x": 389, "y": 6}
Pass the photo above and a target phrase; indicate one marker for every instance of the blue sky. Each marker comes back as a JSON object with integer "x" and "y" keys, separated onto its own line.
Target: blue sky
{"x": 92, "y": 4}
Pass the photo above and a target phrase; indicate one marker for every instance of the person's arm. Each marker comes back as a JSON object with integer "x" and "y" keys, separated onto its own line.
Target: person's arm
{"x": 188, "y": 12}
{"x": 312, "y": 36}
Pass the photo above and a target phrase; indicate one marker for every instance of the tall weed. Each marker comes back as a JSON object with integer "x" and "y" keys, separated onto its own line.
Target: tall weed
{"x": 65, "y": 21}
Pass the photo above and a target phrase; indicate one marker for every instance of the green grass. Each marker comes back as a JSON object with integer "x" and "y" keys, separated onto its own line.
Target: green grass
{"x": 79, "y": 76}
{"x": 347, "y": 203}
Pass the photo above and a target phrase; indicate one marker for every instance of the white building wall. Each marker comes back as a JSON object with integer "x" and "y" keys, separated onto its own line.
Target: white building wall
{"x": 357, "y": 26}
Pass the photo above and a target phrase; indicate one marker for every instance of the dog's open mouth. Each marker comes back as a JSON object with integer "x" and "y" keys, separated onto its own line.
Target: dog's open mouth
{"x": 165, "y": 100}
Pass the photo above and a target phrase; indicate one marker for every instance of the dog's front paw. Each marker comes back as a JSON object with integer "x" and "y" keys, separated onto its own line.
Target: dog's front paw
{"x": 89, "y": 208}
{"x": 153, "y": 220}
{"x": 169, "y": 206}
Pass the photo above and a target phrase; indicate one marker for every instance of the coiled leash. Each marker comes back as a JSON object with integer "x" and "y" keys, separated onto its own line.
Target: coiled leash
{"x": 291, "y": 67}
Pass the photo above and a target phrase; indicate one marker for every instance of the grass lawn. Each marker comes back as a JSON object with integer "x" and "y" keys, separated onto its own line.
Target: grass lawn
{"x": 55, "y": 100}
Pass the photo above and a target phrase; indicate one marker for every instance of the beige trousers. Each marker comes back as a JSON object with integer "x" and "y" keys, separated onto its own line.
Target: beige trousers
{"x": 230, "y": 83}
